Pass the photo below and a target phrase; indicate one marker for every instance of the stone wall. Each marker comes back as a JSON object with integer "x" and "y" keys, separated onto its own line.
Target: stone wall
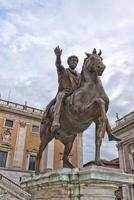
{"x": 90, "y": 183}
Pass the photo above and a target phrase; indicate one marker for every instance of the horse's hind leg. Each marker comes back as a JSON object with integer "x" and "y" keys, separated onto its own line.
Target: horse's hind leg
{"x": 44, "y": 142}
{"x": 67, "y": 150}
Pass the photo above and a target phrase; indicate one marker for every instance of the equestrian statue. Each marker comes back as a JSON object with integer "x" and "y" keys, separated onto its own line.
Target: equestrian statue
{"x": 80, "y": 101}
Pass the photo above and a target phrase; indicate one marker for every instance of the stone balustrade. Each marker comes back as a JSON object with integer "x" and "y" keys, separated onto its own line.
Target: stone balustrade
{"x": 12, "y": 190}
{"x": 20, "y": 107}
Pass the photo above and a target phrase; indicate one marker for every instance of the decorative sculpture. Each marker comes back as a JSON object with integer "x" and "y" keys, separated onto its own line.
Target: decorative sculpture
{"x": 85, "y": 104}
{"x": 6, "y": 138}
{"x": 69, "y": 81}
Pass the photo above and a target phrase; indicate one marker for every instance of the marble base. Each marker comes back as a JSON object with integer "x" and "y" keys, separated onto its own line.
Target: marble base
{"x": 88, "y": 183}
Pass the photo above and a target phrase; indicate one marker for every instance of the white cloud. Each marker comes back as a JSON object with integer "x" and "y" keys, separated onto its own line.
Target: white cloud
{"x": 115, "y": 92}
{"x": 28, "y": 41}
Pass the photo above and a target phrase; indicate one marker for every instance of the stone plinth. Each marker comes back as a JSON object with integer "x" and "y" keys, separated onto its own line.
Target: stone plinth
{"x": 89, "y": 183}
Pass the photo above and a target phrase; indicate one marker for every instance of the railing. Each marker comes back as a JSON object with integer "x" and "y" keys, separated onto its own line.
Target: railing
{"x": 126, "y": 119}
{"x": 9, "y": 184}
{"x": 20, "y": 106}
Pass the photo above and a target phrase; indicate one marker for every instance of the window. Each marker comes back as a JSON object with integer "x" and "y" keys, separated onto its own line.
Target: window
{"x": 35, "y": 129}
{"x": 3, "y": 158}
{"x": 32, "y": 160}
{"x": 9, "y": 123}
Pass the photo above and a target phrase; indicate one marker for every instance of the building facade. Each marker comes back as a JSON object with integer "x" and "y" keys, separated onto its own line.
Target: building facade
{"x": 19, "y": 142}
{"x": 125, "y": 130}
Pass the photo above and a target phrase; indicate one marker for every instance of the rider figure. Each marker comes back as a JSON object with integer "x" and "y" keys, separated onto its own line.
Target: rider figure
{"x": 69, "y": 81}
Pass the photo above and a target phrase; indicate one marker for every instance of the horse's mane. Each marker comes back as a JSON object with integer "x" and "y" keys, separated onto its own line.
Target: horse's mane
{"x": 82, "y": 71}
{"x": 84, "y": 63}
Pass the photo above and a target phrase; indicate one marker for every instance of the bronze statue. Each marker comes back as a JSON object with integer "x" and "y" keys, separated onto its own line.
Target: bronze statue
{"x": 69, "y": 81}
{"x": 88, "y": 103}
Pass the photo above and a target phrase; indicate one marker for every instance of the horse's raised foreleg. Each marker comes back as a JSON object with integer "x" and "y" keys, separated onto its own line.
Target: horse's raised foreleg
{"x": 105, "y": 123}
{"x": 67, "y": 150}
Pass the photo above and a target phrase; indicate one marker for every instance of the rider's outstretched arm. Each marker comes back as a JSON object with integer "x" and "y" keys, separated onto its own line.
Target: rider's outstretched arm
{"x": 58, "y": 53}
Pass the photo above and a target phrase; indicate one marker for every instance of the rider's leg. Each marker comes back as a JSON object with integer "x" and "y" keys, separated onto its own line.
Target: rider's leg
{"x": 57, "y": 111}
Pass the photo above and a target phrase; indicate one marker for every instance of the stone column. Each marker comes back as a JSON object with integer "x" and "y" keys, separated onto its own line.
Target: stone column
{"x": 128, "y": 192}
{"x": 47, "y": 158}
{"x": 80, "y": 149}
{"x": 50, "y": 155}
{"x": 20, "y": 144}
{"x": 121, "y": 159}
{"x": 44, "y": 159}
{"x": 132, "y": 192}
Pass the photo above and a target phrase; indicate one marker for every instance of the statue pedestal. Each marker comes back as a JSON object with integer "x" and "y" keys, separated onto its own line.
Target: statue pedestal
{"x": 88, "y": 183}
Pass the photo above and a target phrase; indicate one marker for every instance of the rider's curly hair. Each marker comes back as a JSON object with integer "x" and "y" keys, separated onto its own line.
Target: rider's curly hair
{"x": 70, "y": 57}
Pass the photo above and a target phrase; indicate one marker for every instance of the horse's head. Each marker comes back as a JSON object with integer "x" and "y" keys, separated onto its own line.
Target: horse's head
{"x": 93, "y": 63}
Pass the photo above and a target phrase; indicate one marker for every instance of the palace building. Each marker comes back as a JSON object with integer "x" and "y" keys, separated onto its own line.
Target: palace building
{"x": 19, "y": 143}
{"x": 124, "y": 129}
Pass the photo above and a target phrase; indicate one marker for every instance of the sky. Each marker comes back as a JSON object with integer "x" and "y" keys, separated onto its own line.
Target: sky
{"x": 31, "y": 29}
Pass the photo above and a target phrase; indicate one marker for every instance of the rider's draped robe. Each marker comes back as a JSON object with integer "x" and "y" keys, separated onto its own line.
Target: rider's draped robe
{"x": 69, "y": 80}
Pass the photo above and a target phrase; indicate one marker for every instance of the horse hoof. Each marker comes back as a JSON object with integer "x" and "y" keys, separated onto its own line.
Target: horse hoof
{"x": 37, "y": 172}
{"x": 99, "y": 163}
{"x": 114, "y": 138}
{"x": 67, "y": 164}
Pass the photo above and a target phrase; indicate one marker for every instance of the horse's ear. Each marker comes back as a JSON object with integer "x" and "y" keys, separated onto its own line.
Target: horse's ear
{"x": 100, "y": 52}
{"x": 94, "y": 51}
{"x": 88, "y": 54}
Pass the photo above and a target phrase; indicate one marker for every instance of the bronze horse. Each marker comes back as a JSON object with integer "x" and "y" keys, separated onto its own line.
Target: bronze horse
{"x": 87, "y": 104}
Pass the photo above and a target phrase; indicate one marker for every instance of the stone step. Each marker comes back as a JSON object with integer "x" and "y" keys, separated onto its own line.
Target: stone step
{"x": 11, "y": 190}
